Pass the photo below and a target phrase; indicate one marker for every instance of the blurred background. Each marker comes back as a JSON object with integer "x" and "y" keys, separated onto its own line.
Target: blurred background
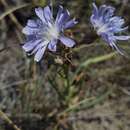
{"x": 82, "y": 88}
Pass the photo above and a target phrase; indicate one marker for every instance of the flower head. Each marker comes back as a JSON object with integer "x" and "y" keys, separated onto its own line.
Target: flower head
{"x": 45, "y": 31}
{"x": 108, "y": 26}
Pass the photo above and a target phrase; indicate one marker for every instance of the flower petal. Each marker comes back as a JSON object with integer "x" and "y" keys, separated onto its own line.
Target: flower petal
{"x": 39, "y": 54}
{"x": 63, "y": 17}
{"x": 32, "y": 23}
{"x": 48, "y": 14}
{"x": 40, "y": 13}
{"x": 52, "y": 45}
{"x": 28, "y": 46}
{"x": 70, "y": 24}
{"x": 29, "y": 30}
{"x": 67, "y": 41}
{"x": 113, "y": 45}
{"x": 40, "y": 45}
{"x": 59, "y": 13}
{"x": 95, "y": 10}
{"x": 122, "y": 37}
{"x": 109, "y": 13}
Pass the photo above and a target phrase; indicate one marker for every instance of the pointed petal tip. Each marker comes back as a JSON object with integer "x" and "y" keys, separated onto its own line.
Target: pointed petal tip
{"x": 67, "y": 41}
{"x": 25, "y": 48}
{"x": 76, "y": 22}
{"x": 38, "y": 9}
{"x": 37, "y": 60}
{"x": 24, "y": 30}
{"x": 60, "y": 6}
{"x": 68, "y": 12}
{"x": 94, "y": 4}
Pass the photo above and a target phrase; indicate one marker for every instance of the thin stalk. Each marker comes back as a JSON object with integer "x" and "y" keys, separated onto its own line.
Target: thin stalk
{"x": 94, "y": 60}
{"x": 9, "y": 121}
{"x": 87, "y": 103}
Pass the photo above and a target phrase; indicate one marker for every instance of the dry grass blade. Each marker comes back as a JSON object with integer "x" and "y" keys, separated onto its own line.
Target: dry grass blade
{"x": 9, "y": 11}
{"x": 5, "y": 117}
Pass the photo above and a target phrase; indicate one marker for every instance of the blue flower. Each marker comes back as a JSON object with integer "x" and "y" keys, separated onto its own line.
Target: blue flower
{"x": 108, "y": 26}
{"x": 45, "y": 31}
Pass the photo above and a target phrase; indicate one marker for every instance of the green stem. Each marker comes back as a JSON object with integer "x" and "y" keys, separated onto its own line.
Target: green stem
{"x": 94, "y": 60}
{"x": 87, "y": 103}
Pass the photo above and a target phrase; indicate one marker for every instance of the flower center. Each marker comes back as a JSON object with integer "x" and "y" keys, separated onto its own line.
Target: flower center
{"x": 100, "y": 27}
{"x": 52, "y": 32}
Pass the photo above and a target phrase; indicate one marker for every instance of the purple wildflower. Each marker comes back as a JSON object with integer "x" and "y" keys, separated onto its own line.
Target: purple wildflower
{"x": 108, "y": 26}
{"x": 45, "y": 31}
